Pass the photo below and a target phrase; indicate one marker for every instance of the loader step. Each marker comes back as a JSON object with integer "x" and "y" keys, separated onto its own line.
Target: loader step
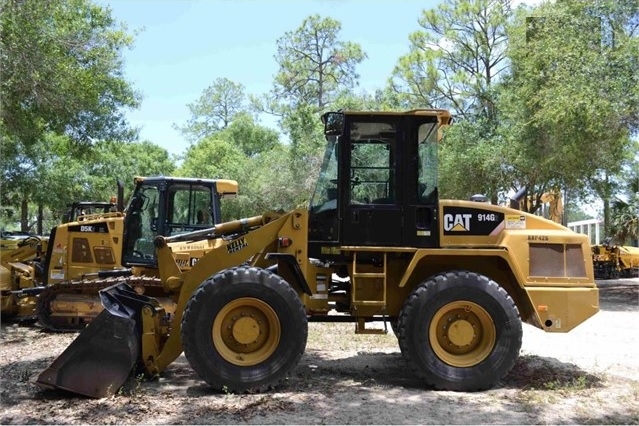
{"x": 369, "y": 303}
{"x": 370, "y": 331}
{"x": 369, "y": 274}
{"x": 360, "y": 327}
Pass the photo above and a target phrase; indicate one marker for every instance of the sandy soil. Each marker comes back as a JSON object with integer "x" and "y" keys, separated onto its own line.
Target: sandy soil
{"x": 588, "y": 376}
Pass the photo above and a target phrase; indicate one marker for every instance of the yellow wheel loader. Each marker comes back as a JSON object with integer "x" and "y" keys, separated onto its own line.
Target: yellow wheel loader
{"x": 59, "y": 285}
{"x": 455, "y": 279}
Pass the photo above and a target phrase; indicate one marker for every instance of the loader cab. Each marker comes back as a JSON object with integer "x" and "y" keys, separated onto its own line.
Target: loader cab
{"x": 378, "y": 181}
{"x": 170, "y": 206}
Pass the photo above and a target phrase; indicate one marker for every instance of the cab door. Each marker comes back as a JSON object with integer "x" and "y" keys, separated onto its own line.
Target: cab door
{"x": 372, "y": 197}
{"x": 420, "y": 185}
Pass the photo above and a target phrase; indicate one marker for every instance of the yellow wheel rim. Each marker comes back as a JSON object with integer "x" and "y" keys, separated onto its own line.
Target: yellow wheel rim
{"x": 246, "y": 331}
{"x": 462, "y": 334}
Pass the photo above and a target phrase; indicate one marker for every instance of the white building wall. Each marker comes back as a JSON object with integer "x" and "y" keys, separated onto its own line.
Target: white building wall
{"x": 590, "y": 227}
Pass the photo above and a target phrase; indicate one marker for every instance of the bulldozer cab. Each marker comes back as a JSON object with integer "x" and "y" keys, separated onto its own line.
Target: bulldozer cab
{"x": 378, "y": 182}
{"x": 79, "y": 209}
{"x": 170, "y": 206}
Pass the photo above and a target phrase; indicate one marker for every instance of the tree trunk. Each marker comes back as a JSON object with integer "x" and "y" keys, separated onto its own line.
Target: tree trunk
{"x": 40, "y": 213}
{"x": 24, "y": 215}
{"x": 606, "y": 216}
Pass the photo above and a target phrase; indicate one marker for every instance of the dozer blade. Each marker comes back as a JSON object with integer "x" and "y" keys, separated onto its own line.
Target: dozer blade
{"x": 101, "y": 358}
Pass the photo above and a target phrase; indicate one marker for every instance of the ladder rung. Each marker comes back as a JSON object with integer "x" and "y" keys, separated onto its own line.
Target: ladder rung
{"x": 371, "y": 331}
{"x": 369, "y": 274}
{"x": 369, "y": 303}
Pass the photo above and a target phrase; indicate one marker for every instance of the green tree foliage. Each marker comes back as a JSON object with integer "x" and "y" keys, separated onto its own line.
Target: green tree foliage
{"x": 214, "y": 110}
{"x": 62, "y": 71}
{"x": 570, "y": 102}
{"x": 64, "y": 174}
{"x": 268, "y": 183}
{"x": 574, "y": 212}
{"x": 213, "y": 157}
{"x": 471, "y": 161}
{"x": 61, "y": 89}
{"x": 455, "y": 62}
{"x": 624, "y": 223}
{"x": 249, "y": 136}
{"x": 456, "y": 57}
{"x": 314, "y": 64}
{"x": 316, "y": 67}
{"x": 93, "y": 177}
{"x": 252, "y": 155}
{"x": 26, "y": 169}
{"x": 112, "y": 161}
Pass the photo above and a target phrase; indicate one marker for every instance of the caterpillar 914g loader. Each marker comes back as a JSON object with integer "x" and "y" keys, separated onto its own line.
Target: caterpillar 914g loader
{"x": 57, "y": 279}
{"x": 455, "y": 279}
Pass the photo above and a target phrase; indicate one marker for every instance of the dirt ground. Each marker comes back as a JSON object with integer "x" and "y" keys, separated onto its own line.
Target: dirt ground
{"x": 588, "y": 376}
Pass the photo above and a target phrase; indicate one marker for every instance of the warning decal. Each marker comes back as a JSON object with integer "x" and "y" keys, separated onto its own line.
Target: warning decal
{"x": 515, "y": 221}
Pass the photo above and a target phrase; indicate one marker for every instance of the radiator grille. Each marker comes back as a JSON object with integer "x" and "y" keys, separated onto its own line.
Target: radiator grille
{"x": 556, "y": 260}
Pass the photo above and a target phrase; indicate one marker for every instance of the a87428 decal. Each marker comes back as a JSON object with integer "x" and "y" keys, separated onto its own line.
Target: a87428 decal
{"x": 470, "y": 221}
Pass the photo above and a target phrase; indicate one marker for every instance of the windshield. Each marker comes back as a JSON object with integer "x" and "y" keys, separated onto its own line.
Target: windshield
{"x": 372, "y": 163}
{"x": 326, "y": 188}
{"x": 427, "y": 164}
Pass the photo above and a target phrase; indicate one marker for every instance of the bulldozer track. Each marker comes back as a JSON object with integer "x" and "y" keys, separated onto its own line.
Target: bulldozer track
{"x": 46, "y": 317}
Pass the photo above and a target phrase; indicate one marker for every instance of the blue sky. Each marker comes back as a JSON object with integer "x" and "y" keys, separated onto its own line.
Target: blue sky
{"x": 183, "y": 46}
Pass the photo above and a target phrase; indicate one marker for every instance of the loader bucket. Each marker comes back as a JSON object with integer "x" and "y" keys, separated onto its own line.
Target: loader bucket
{"x": 102, "y": 357}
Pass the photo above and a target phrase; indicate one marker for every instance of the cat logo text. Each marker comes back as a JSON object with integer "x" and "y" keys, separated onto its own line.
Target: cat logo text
{"x": 457, "y": 222}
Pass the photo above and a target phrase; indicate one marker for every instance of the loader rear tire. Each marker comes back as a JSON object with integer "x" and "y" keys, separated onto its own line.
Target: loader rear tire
{"x": 244, "y": 330}
{"x": 460, "y": 331}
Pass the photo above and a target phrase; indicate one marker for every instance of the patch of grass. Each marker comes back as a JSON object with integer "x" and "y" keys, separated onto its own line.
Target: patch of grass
{"x": 567, "y": 384}
{"x": 534, "y": 372}
{"x": 341, "y": 336}
{"x": 132, "y": 387}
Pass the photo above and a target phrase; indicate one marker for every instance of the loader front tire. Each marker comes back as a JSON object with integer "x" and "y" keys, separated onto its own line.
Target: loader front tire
{"x": 244, "y": 330}
{"x": 460, "y": 331}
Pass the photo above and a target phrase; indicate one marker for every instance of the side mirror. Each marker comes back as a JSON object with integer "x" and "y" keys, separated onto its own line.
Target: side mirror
{"x": 333, "y": 123}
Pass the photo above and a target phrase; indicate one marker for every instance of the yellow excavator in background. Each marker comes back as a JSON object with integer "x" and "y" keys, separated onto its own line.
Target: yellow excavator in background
{"x": 551, "y": 204}
{"x": 454, "y": 279}
{"x": 56, "y": 279}
{"x": 555, "y": 206}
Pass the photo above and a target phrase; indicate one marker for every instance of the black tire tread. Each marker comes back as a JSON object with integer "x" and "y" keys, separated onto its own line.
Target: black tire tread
{"x": 209, "y": 289}
{"x": 435, "y": 284}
